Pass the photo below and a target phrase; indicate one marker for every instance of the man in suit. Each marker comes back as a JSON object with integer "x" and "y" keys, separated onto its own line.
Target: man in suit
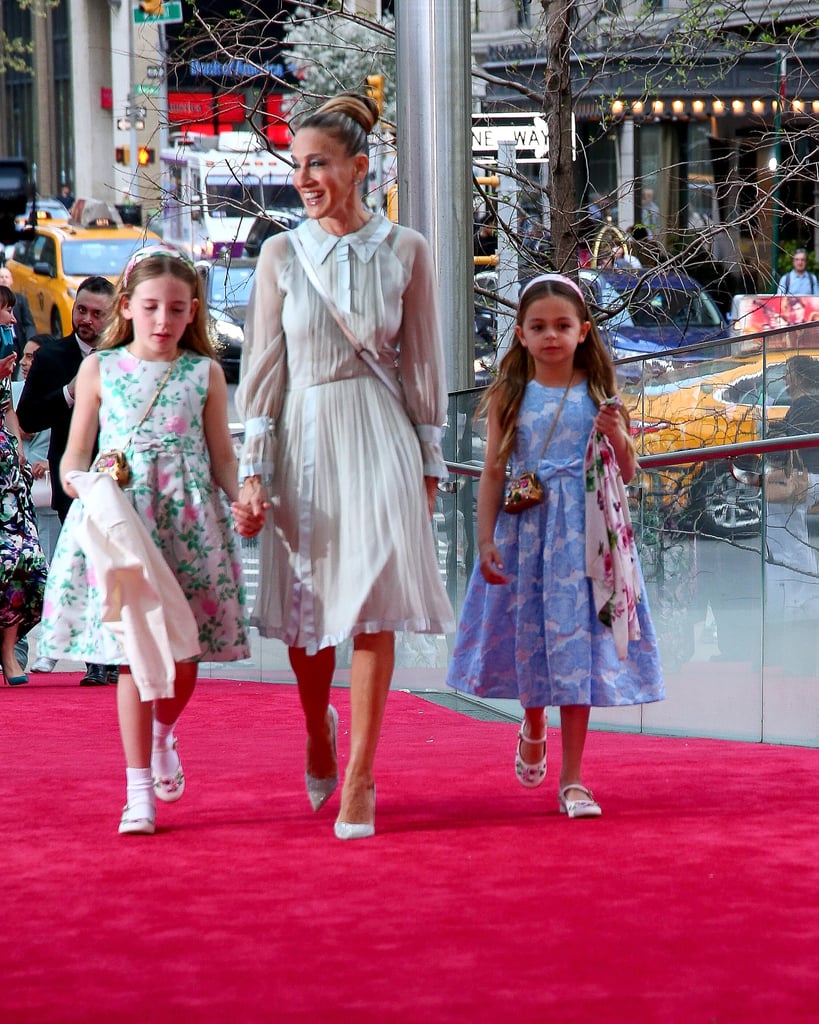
{"x": 47, "y": 401}
{"x": 24, "y": 327}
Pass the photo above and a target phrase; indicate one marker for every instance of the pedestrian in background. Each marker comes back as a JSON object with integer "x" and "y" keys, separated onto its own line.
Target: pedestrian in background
{"x": 799, "y": 280}
{"x": 24, "y": 326}
{"x": 22, "y": 562}
{"x": 47, "y": 401}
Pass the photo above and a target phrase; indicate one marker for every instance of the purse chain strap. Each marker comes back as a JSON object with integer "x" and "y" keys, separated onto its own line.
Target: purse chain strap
{"x": 157, "y": 393}
{"x": 557, "y": 417}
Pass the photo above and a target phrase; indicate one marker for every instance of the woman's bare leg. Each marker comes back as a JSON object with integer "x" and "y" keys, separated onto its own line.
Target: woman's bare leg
{"x": 314, "y": 676}
{"x": 372, "y": 668}
{"x": 11, "y": 666}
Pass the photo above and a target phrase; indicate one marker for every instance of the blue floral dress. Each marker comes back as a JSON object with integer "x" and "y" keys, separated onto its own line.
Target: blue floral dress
{"x": 538, "y": 638}
{"x": 176, "y": 497}
{"x": 22, "y": 562}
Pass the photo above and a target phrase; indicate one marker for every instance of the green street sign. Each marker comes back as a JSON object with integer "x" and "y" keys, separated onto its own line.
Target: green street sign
{"x": 171, "y": 12}
{"x": 147, "y": 90}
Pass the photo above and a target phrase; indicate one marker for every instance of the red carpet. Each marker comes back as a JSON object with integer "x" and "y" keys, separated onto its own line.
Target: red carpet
{"x": 694, "y": 899}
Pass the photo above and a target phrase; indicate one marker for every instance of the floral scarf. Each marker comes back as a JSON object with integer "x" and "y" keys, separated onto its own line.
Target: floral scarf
{"x": 611, "y": 557}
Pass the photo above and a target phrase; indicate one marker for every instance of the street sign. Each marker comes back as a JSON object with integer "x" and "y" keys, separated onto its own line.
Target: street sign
{"x": 153, "y": 71}
{"x": 171, "y": 13}
{"x": 529, "y": 135}
{"x": 147, "y": 90}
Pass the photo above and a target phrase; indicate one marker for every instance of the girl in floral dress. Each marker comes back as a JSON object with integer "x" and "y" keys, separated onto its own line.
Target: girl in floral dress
{"x": 554, "y": 614}
{"x": 183, "y": 468}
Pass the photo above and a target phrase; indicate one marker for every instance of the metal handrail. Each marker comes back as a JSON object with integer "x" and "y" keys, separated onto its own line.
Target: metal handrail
{"x": 685, "y": 456}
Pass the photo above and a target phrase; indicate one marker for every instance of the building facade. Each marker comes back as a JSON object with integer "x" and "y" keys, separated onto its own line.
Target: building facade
{"x": 668, "y": 141}
{"x": 678, "y": 126}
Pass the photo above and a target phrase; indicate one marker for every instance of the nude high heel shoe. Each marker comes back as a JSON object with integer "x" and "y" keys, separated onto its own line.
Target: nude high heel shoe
{"x": 353, "y": 830}
{"x": 319, "y": 790}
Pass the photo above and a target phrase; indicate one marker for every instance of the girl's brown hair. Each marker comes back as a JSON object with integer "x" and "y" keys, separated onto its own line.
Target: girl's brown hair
{"x": 349, "y": 118}
{"x": 154, "y": 264}
{"x": 517, "y": 367}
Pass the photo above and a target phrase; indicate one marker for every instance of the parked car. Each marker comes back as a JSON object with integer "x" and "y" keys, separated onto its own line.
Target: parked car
{"x": 648, "y": 314}
{"x": 47, "y": 210}
{"x": 652, "y": 312}
{"x": 49, "y": 267}
{"x": 700, "y": 406}
{"x": 268, "y": 224}
{"x": 227, "y": 285}
{"x": 485, "y": 335}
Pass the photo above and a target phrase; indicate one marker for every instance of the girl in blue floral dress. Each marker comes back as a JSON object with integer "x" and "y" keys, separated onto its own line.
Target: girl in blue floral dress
{"x": 534, "y": 625}
{"x": 155, "y": 350}
{"x": 22, "y": 563}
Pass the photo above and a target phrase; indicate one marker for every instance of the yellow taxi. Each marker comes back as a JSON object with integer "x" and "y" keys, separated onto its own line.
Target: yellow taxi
{"x": 49, "y": 267}
{"x": 714, "y": 402}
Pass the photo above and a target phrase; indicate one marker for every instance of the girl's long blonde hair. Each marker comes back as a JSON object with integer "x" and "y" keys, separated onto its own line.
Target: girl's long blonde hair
{"x": 144, "y": 265}
{"x": 505, "y": 395}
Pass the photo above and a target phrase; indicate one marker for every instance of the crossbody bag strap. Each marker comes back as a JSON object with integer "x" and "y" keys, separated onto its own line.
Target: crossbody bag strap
{"x": 554, "y": 421}
{"x": 360, "y": 351}
{"x": 157, "y": 393}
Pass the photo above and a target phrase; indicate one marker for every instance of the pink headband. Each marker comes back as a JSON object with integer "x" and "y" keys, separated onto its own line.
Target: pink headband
{"x": 556, "y": 279}
{"x": 150, "y": 251}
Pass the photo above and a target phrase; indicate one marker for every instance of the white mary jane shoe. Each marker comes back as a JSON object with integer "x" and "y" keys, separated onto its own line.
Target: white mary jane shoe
{"x": 530, "y": 775}
{"x": 585, "y": 807}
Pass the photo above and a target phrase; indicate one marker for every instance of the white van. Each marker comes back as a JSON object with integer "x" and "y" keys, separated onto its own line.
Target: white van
{"x": 214, "y": 187}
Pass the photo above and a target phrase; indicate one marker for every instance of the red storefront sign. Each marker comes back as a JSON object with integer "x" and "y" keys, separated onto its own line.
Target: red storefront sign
{"x": 277, "y": 128}
{"x": 192, "y": 110}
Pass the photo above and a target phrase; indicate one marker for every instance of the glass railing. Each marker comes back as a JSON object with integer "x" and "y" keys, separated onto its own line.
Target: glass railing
{"x": 729, "y": 559}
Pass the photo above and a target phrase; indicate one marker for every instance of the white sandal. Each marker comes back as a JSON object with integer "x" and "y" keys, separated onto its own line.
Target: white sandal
{"x": 530, "y": 775}
{"x": 586, "y": 807}
{"x": 169, "y": 788}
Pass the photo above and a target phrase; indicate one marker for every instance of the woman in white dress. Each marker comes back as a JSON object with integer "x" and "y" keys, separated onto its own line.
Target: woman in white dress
{"x": 342, "y": 451}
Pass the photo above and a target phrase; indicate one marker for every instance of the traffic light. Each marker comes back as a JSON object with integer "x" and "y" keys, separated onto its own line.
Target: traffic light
{"x": 145, "y": 155}
{"x": 152, "y": 7}
{"x": 122, "y": 155}
{"x": 375, "y": 88}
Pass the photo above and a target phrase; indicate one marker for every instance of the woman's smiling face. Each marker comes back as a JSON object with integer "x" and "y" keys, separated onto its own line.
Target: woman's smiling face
{"x": 327, "y": 177}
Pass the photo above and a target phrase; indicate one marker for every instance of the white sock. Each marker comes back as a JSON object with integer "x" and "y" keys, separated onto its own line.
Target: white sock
{"x": 164, "y": 758}
{"x": 163, "y": 735}
{"x": 140, "y": 790}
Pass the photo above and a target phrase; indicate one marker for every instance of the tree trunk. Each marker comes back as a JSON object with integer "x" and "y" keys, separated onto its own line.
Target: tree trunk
{"x": 557, "y": 109}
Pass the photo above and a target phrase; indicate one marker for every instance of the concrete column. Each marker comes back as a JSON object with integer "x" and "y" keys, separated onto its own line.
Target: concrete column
{"x": 44, "y": 93}
{"x": 91, "y": 68}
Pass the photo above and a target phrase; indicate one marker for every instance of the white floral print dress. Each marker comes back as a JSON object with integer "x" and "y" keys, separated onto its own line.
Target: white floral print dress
{"x": 176, "y": 497}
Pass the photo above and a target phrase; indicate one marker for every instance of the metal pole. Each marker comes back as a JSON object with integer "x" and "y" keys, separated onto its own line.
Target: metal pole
{"x": 435, "y": 158}
{"x": 508, "y": 215}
